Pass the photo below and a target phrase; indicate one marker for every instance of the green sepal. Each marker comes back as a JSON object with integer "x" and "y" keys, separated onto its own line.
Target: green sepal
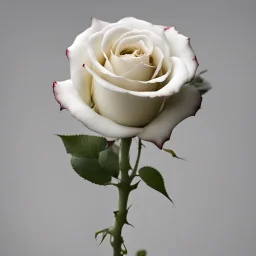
{"x": 200, "y": 83}
{"x": 84, "y": 145}
{"x": 153, "y": 179}
{"x": 173, "y": 153}
{"x": 109, "y": 161}
{"x": 90, "y": 169}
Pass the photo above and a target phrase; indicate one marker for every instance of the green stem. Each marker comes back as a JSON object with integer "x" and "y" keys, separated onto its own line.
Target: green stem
{"x": 124, "y": 189}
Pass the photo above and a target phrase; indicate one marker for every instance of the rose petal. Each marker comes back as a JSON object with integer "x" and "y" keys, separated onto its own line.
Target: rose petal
{"x": 67, "y": 96}
{"x": 78, "y": 56}
{"x": 99, "y": 24}
{"x": 137, "y": 24}
{"x": 122, "y": 64}
{"x": 157, "y": 58}
{"x": 129, "y": 66}
{"x": 108, "y": 65}
{"x": 180, "y": 47}
{"x": 177, "y": 108}
{"x": 141, "y": 72}
{"x": 177, "y": 79}
{"x": 122, "y": 81}
{"x": 110, "y": 37}
{"x": 124, "y": 108}
{"x": 126, "y": 83}
{"x": 95, "y": 39}
{"x": 128, "y": 34}
{"x": 160, "y": 42}
{"x": 132, "y": 40}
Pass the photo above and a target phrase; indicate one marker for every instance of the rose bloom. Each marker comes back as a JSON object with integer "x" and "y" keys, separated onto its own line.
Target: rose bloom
{"x": 130, "y": 78}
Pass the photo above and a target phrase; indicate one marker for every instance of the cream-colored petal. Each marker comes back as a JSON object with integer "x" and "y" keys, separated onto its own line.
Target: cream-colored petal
{"x": 110, "y": 37}
{"x": 77, "y": 56}
{"x": 109, "y": 66}
{"x": 99, "y": 24}
{"x": 124, "y": 108}
{"x": 181, "y": 48}
{"x": 122, "y": 64}
{"x": 141, "y": 72}
{"x": 94, "y": 50}
{"x": 97, "y": 58}
{"x": 145, "y": 48}
{"x": 152, "y": 38}
{"x": 127, "y": 42}
{"x": 67, "y": 96}
{"x": 118, "y": 83}
{"x": 157, "y": 59}
{"x": 177, "y": 79}
{"x": 137, "y": 24}
{"x": 177, "y": 108}
{"x": 129, "y": 66}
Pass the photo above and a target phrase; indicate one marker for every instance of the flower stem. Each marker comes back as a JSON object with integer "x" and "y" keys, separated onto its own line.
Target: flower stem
{"x": 124, "y": 189}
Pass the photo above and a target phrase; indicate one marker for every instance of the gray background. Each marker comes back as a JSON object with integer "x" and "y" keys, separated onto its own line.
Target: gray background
{"x": 46, "y": 209}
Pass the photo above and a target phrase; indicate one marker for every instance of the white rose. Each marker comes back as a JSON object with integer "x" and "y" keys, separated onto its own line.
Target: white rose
{"x": 127, "y": 80}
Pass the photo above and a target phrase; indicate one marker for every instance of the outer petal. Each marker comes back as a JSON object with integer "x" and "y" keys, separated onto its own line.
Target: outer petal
{"x": 99, "y": 24}
{"x": 67, "y": 96}
{"x": 180, "y": 47}
{"x": 177, "y": 108}
{"x": 77, "y": 56}
{"x": 123, "y": 108}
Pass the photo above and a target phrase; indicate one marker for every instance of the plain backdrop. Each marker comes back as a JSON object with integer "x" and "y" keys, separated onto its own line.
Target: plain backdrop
{"x": 48, "y": 210}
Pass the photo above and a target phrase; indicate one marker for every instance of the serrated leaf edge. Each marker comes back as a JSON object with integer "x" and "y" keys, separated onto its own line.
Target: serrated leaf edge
{"x": 167, "y": 196}
{"x": 84, "y": 178}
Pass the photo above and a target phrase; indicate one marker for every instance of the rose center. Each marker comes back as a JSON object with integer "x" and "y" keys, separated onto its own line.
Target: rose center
{"x": 134, "y": 51}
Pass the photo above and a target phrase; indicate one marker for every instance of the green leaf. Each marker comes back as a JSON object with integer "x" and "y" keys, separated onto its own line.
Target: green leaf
{"x": 200, "y": 83}
{"x": 109, "y": 161}
{"x": 173, "y": 153}
{"x": 153, "y": 179}
{"x": 84, "y": 145}
{"x": 90, "y": 169}
{"x": 141, "y": 253}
